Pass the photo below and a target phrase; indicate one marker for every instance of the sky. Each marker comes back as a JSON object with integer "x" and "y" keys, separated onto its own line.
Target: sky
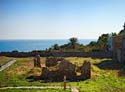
{"x": 60, "y": 19}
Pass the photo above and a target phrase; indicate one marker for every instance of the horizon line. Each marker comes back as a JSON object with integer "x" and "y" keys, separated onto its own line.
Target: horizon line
{"x": 51, "y": 39}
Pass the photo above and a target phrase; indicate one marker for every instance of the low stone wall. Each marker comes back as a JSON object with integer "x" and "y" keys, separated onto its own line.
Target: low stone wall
{"x": 59, "y": 54}
{"x": 83, "y": 54}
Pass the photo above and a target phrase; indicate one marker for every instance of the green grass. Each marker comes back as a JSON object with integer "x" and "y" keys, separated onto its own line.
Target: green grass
{"x": 105, "y": 75}
{"x": 16, "y": 74}
{"x": 34, "y": 90}
{"x": 101, "y": 84}
{"x": 4, "y": 60}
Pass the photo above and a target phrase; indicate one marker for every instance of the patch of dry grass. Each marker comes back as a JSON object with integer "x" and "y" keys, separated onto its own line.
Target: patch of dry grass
{"x": 4, "y": 60}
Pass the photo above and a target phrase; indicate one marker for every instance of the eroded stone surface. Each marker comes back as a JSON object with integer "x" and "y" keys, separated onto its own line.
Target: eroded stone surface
{"x": 37, "y": 61}
{"x": 86, "y": 70}
{"x": 57, "y": 68}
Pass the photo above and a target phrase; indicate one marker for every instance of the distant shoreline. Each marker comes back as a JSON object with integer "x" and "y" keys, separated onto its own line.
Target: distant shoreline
{"x": 42, "y": 39}
{"x": 28, "y": 45}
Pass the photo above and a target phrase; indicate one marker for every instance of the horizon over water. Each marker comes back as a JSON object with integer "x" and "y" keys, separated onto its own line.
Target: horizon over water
{"x": 26, "y": 45}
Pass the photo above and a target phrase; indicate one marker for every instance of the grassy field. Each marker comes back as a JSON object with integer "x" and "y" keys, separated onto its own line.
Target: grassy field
{"x": 4, "y": 60}
{"x": 107, "y": 76}
{"x": 34, "y": 90}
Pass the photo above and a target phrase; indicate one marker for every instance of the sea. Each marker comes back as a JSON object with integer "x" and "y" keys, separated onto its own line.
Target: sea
{"x": 30, "y": 45}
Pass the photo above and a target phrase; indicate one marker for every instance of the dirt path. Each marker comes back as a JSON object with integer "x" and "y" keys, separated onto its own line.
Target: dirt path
{"x": 7, "y": 65}
{"x": 73, "y": 89}
{"x": 32, "y": 87}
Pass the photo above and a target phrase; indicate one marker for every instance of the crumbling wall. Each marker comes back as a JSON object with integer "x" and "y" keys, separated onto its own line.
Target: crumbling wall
{"x": 57, "y": 69}
{"x": 37, "y": 61}
{"x": 86, "y": 70}
{"x": 52, "y": 61}
{"x": 61, "y": 68}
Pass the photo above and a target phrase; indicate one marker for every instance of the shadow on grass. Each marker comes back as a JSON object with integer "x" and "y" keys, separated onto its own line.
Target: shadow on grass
{"x": 112, "y": 65}
{"x": 121, "y": 72}
{"x": 109, "y": 65}
{"x": 33, "y": 78}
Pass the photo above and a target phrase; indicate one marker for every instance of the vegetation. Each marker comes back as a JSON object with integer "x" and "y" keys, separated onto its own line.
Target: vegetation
{"x": 4, "y": 60}
{"x": 17, "y": 74}
{"x": 56, "y": 47}
{"x": 106, "y": 76}
{"x": 73, "y": 46}
{"x": 73, "y": 42}
{"x": 33, "y": 90}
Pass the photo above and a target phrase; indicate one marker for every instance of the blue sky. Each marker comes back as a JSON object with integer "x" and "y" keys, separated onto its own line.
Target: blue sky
{"x": 60, "y": 19}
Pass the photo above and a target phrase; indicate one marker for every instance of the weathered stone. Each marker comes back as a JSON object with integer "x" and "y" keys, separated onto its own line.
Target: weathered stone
{"x": 86, "y": 70}
{"x": 63, "y": 68}
{"x": 52, "y": 61}
{"x": 37, "y": 61}
{"x": 67, "y": 69}
{"x": 45, "y": 73}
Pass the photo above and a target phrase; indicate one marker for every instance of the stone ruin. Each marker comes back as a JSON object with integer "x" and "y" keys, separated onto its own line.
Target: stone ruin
{"x": 37, "y": 61}
{"x": 57, "y": 68}
{"x": 85, "y": 70}
{"x": 52, "y": 61}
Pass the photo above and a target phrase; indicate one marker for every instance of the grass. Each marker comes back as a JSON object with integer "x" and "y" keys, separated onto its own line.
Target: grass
{"x": 4, "y": 60}
{"x": 33, "y": 90}
{"x": 16, "y": 74}
{"x": 105, "y": 75}
{"x": 101, "y": 84}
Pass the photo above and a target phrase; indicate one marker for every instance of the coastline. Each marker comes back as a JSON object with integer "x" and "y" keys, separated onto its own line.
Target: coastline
{"x": 27, "y": 45}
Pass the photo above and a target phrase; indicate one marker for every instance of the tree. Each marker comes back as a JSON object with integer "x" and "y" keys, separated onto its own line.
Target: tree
{"x": 92, "y": 43}
{"x": 103, "y": 41}
{"x": 73, "y": 42}
{"x": 121, "y": 32}
{"x": 15, "y": 51}
{"x": 56, "y": 47}
{"x": 113, "y": 34}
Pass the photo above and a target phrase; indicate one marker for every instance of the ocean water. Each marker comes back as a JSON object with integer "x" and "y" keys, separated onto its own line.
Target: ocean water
{"x": 29, "y": 45}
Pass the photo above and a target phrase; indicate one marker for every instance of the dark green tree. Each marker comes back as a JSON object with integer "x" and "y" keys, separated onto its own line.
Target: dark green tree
{"x": 56, "y": 47}
{"x": 73, "y": 42}
{"x": 92, "y": 43}
{"x": 113, "y": 34}
{"x": 103, "y": 41}
{"x": 121, "y": 32}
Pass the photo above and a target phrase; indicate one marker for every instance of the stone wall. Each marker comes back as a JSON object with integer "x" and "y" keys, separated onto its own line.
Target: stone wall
{"x": 86, "y": 70}
{"x": 62, "y": 67}
{"x": 123, "y": 55}
{"x": 37, "y": 61}
{"x": 102, "y": 54}
{"x": 119, "y": 48}
{"x": 83, "y": 54}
